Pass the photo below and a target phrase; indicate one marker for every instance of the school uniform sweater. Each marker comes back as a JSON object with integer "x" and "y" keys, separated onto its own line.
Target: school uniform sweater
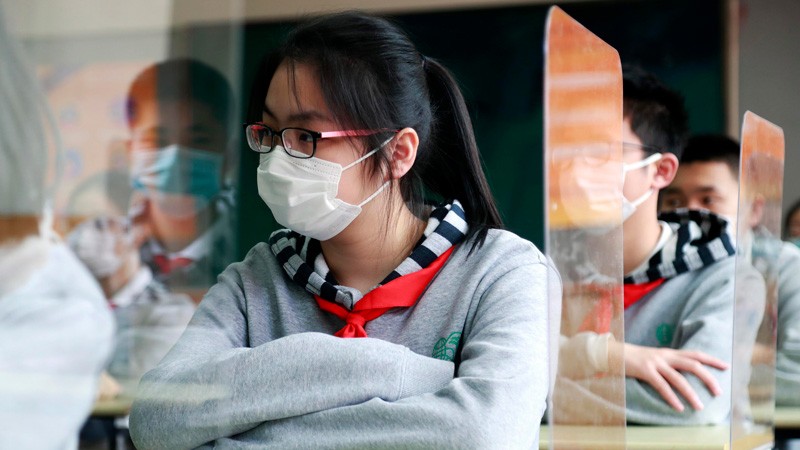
{"x": 258, "y": 367}
{"x": 787, "y": 364}
{"x": 691, "y": 310}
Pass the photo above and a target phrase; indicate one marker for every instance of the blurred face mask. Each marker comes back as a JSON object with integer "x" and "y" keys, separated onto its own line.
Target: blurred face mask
{"x": 629, "y": 206}
{"x": 171, "y": 174}
{"x": 301, "y": 193}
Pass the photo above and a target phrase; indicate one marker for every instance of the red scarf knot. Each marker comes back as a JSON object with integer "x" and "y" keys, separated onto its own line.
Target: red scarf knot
{"x": 401, "y": 292}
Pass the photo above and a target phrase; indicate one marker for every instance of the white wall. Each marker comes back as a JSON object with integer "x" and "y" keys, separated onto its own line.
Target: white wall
{"x": 769, "y": 75}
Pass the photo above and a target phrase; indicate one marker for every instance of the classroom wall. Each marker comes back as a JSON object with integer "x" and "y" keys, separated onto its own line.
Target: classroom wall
{"x": 769, "y": 75}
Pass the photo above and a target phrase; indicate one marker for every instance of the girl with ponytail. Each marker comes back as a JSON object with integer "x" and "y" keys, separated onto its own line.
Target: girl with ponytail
{"x": 369, "y": 161}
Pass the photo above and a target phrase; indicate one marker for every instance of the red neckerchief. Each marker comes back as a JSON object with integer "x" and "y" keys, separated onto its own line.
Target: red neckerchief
{"x": 635, "y": 292}
{"x": 401, "y": 292}
{"x": 166, "y": 265}
{"x": 599, "y": 319}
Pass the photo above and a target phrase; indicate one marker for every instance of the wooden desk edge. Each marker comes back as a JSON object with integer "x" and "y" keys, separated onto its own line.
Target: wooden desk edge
{"x": 635, "y": 440}
{"x": 787, "y": 417}
{"x": 115, "y": 407}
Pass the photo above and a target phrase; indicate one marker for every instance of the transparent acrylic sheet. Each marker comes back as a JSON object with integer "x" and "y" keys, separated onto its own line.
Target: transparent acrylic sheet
{"x": 583, "y": 161}
{"x": 758, "y": 249}
{"x": 95, "y": 61}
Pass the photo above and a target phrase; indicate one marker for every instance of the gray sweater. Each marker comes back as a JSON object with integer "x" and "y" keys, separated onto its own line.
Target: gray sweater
{"x": 787, "y": 365}
{"x": 466, "y": 367}
{"x": 692, "y": 311}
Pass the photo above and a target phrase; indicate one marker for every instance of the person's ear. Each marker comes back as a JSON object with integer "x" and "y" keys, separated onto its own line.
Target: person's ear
{"x": 666, "y": 169}
{"x": 403, "y": 152}
{"x": 756, "y": 211}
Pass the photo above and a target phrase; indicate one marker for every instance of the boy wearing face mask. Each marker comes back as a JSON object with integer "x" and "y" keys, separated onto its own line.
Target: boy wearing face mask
{"x": 157, "y": 263}
{"x": 180, "y": 168}
{"x": 678, "y": 285}
{"x": 708, "y": 179}
{"x": 678, "y": 274}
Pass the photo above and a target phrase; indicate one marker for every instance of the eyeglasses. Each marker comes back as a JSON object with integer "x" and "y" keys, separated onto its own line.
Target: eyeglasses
{"x": 297, "y": 142}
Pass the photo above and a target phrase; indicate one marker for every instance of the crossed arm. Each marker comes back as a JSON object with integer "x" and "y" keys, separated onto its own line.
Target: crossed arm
{"x": 350, "y": 392}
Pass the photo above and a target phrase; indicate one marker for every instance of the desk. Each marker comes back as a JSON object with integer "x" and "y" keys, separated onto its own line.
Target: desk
{"x": 115, "y": 407}
{"x": 787, "y": 417}
{"x": 787, "y": 423}
{"x": 640, "y": 437}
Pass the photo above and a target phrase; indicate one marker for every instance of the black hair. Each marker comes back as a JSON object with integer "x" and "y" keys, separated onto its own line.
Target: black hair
{"x": 657, "y": 113}
{"x": 185, "y": 80}
{"x": 706, "y": 148}
{"x": 789, "y": 213}
{"x": 373, "y": 77}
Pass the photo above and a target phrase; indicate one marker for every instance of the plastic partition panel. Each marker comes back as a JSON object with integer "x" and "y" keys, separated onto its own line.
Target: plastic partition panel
{"x": 149, "y": 129}
{"x": 583, "y": 160}
{"x": 757, "y": 289}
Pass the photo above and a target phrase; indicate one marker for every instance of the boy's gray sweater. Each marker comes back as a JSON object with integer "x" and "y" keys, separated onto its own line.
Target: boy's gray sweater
{"x": 466, "y": 367}
{"x": 693, "y": 310}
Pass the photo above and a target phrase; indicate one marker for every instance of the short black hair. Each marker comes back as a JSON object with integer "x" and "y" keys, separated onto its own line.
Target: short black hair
{"x": 186, "y": 80}
{"x": 712, "y": 148}
{"x": 789, "y": 213}
{"x": 657, "y": 113}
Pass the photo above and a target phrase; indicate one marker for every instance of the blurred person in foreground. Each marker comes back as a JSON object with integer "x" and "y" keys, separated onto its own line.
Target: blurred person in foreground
{"x": 55, "y": 329}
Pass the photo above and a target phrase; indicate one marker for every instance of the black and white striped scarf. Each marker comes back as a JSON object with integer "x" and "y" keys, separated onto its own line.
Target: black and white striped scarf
{"x": 303, "y": 262}
{"x": 700, "y": 240}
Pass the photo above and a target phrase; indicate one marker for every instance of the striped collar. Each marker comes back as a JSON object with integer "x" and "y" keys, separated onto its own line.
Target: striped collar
{"x": 700, "y": 239}
{"x": 304, "y": 263}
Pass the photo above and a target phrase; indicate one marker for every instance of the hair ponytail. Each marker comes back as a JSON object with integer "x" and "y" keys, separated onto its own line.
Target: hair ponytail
{"x": 453, "y": 167}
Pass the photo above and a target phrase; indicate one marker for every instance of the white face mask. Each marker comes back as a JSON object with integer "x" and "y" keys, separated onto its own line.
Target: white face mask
{"x": 628, "y": 206}
{"x": 301, "y": 193}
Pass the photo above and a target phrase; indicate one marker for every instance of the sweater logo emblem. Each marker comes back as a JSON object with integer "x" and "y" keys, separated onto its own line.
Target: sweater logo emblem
{"x": 445, "y": 348}
{"x": 664, "y": 334}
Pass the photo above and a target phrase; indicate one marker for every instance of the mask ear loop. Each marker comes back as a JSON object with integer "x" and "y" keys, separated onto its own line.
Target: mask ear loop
{"x": 643, "y": 163}
{"x": 642, "y": 198}
{"x": 638, "y": 165}
{"x": 635, "y": 166}
{"x": 380, "y": 189}
{"x": 46, "y": 230}
{"x": 27, "y": 85}
{"x": 367, "y": 155}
